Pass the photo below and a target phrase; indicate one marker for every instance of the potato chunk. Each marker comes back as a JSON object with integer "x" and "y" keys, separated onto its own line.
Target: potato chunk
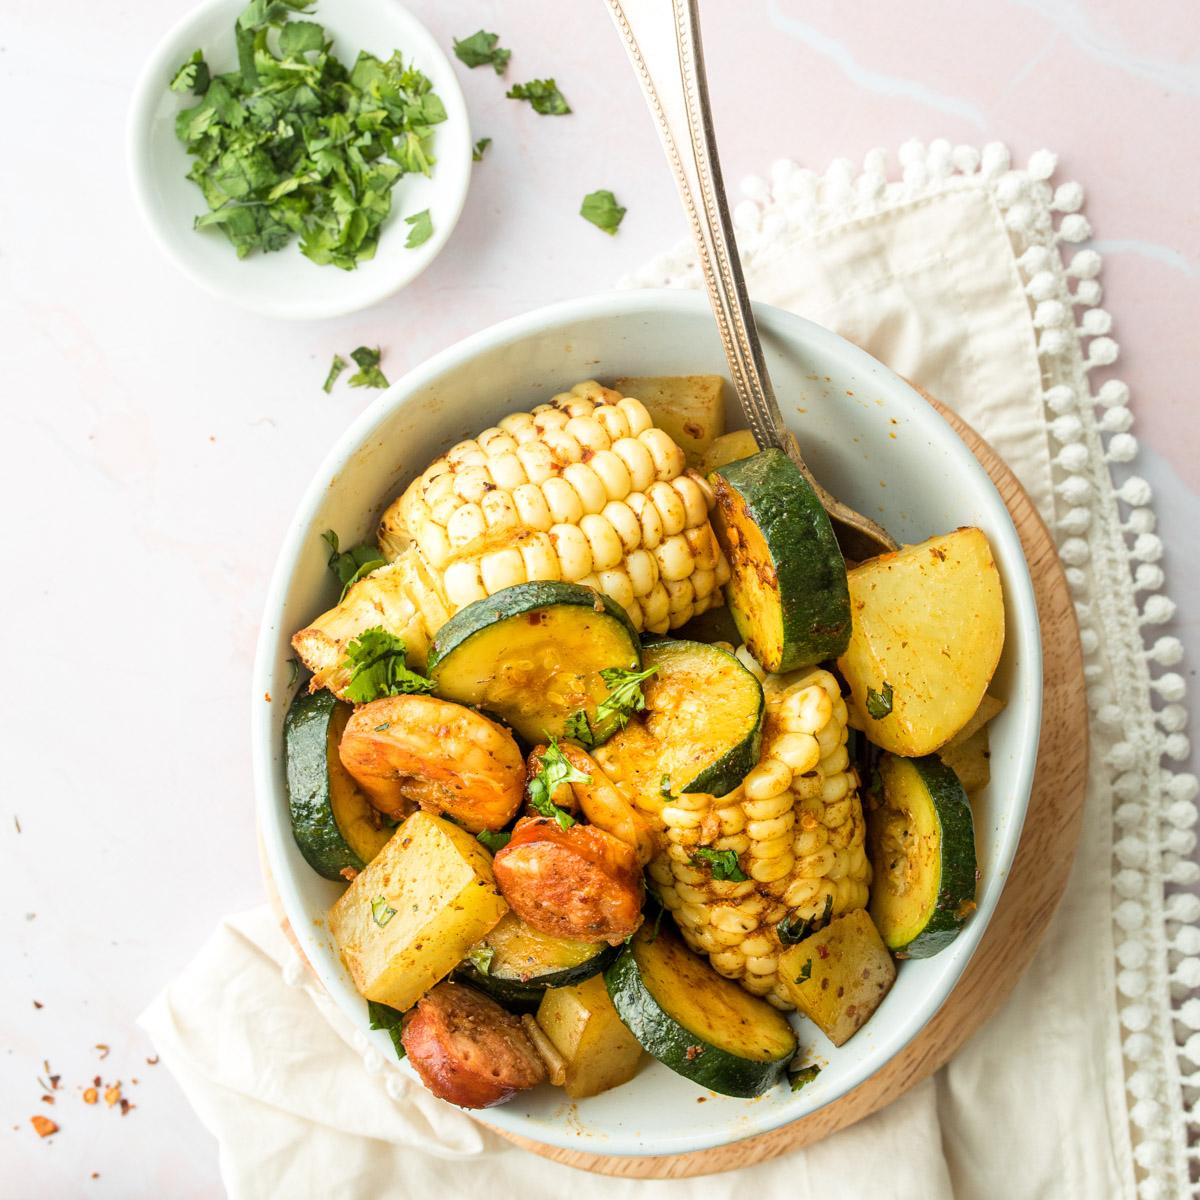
{"x": 410, "y": 917}
{"x": 838, "y": 976}
{"x": 928, "y": 628}
{"x": 689, "y": 407}
{"x": 582, "y": 1024}
{"x": 729, "y": 447}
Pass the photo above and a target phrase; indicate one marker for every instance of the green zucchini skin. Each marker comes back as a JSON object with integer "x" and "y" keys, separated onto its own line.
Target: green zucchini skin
{"x": 807, "y": 616}
{"x": 948, "y": 883}
{"x": 525, "y": 995}
{"x": 305, "y": 736}
{"x": 512, "y": 602}
{"x": 676, "y": 1047}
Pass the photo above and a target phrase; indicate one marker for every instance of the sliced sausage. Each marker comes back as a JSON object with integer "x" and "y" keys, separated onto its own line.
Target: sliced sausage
{"x": 468, "y": 1050}
{"x": 579, "y": 883}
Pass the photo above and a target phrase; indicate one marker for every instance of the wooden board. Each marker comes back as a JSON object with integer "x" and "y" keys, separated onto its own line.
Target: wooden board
{"x": 1035, "y": 885}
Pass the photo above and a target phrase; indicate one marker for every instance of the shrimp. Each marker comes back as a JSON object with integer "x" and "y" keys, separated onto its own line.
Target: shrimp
{"x": 605, "y": 807}
{"x": 409, "y": 751}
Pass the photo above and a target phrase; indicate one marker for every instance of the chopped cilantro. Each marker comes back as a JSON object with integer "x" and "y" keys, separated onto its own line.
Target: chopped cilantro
{"x": 722, "y": 863}
{"x": 480, "y": 957}
{"x": 805, "y": 972}
{"x": 494, "y": 840}
{"x": 795, "y": 928}
{"x": 336, "y": 367}
{"x": 554, "y": 770}
{"x": 480, "y": 50}
{"x": 602, "y": 209}
{"x": 543, "y": 94}
{"x": 351, "y": 565}
{"x": 296, "y": 144}
{"x": 804, "y": 1076}
{"x": 879, "y": 704}
{"x": 378, "y": 667}
{"x": 480, "y": 147}
{"x": 421, "y": 229}
{"x": 613, "y": 712}
{"x": 366, "y": 358}
{"x": 383, "y": 1017}
{"x": 381, "y": 911}
{"x": 193, "y": 76}
{"x": 664, "y": 786}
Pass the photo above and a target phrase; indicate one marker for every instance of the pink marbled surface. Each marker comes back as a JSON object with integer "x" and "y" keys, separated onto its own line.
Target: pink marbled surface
{"x": 158, "y": 440}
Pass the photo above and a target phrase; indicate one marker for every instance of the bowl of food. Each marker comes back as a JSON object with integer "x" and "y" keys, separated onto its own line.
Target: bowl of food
{"x": 584, "y": 759}
{"x": 297, "y": 168}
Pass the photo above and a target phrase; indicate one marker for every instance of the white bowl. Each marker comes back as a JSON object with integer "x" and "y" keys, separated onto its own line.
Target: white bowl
{"x": 861, "y": 427}
{"x": 284, "y": 283}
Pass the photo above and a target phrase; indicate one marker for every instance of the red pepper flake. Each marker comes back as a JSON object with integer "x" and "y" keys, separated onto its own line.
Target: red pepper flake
{"x": 349, "y": 874}
{"x": 822, "y": 951}
{"x": 693, "y": 1052}
{"x": 126, "y": 1106}
{"x": 43, "y": 1125}
{"x": 95, "y": 1174}
{"x": 38, "y": 1004}
{"x": 153, "y": 1061}
{"x": 96, "y": 1081}
{"x": 267, "y": 697}
{"x": 47, "y": 1099}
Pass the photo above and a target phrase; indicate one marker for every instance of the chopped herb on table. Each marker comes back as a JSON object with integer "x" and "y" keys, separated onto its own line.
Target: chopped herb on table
{"x": 602, "y": 209}
{"x": 420, "y": 229}
{"x": 336, "y": 367}
{"x": 481, "y": 50}
{"x": 480, "y": 148}
{"x": 804, "y": 1076}
{"x": 543, "y": 94}
{"x": 368, "y": 374}
{"x": 295, "y": 144}
{"x": 555, "y": 770}
{"x": 383, "y": 1017}
{"x": 378, "y": 667}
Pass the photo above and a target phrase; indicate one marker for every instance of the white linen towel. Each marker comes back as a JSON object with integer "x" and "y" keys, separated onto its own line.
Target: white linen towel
{"x": 953, "y": 277}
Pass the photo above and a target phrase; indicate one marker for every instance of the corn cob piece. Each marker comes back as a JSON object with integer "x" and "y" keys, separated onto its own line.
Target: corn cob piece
{"x": 796, "y": 826}
{"x": 584, "y": 489}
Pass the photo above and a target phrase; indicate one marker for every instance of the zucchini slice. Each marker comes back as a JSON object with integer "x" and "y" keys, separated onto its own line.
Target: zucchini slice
{"x": 701, "y": 730}
{"x": 334, "y": 823}
{"x": 532, "y": 654}
{"x": 515, "y": 963}
{"x": 922, "y": 843}
{"x": 704, "y": 1027}
{"x": 787, "y": 591}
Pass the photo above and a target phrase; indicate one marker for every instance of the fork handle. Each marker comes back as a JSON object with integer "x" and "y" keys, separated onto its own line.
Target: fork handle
{"x": 662, "y": 38}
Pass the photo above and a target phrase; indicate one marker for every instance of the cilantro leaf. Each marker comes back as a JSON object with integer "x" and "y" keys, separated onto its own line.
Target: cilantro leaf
{"x": 378, "y": 667}
{"x": 804, "y": 1076}
{"x": 351, "y": 565}
{"x": 554, "y": 770}
{"x": 879, "y": 704}
{"x": 381, "y": 911}
{"x": 494, "y": 840}
{"x": 613, "y": 712}
{"x": 543, "y": 94}
{"x": 795, "y": 928}
{"x": 805, "y": 972}
{"x": 602, "y": 209}
{"x": 480, "y": 957}
{"x": 336, "y": 367}
{"x": 664, "y": 786}
{"x": 381, "y": 1016}
{"x": 193, "y": 76}
{"x": 480, "y": 50}
{"x": 299, "y": 37}
{"x": 722, "y": 863}
{"x": 368, "y": 373}
{"x": 480, "y": 147}
{"x": 421, "y": 231}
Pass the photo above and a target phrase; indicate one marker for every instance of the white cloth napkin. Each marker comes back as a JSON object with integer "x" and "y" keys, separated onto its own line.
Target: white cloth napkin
{"x": 953, "y": 277}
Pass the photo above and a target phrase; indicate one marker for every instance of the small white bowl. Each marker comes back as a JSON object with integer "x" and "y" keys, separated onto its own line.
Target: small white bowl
{"x": 284, "y": 283}
{"x": 868, "y": 437}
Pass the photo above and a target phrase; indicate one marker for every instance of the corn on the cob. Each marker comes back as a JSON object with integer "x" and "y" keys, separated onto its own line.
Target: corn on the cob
{"x": 583, "y": 489}
{"x": 795, "y": 824}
